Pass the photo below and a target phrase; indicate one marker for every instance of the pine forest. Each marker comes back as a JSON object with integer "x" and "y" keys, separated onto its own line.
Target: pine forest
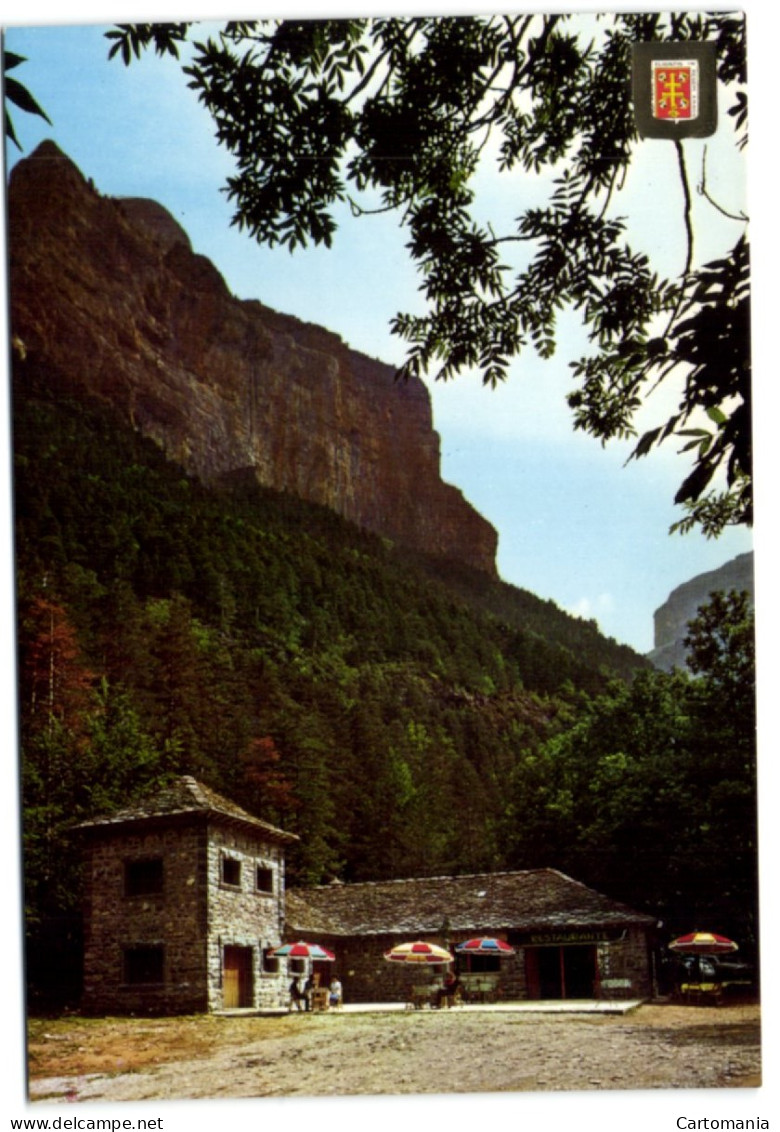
{"x": 405, "y": 717}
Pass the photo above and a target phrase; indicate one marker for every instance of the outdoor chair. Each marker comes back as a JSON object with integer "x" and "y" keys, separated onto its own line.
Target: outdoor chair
{"x": 319, "y": 998}
{"x": 480, "y": 988}
{"x": 420, "y": 995}
{"x": 454, "y": 999}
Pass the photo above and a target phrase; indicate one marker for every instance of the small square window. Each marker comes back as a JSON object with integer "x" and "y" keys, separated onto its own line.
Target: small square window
{"x": 482, "y": 964}
{"x": 144, "y": 877}
{"x": 270, "y": 962}
{"x": 144, "y": 964}
{"x": 265, "y": 880}
{"x": 231, "y": 872}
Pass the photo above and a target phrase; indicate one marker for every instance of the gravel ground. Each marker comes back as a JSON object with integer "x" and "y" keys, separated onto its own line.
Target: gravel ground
{"x": 656, "y": 1046}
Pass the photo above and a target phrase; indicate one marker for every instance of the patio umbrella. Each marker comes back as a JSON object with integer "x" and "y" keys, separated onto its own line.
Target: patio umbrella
{"x": 418, "y": 952}
{"x": 703, "y": 943}
{"x": 303, "y": 950}
{"x": 484, "y": 945}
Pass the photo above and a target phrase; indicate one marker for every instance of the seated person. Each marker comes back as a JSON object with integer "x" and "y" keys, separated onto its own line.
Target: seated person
{"x": 312, "y": 984}
{"x": 448, "y": 989}
{"x": 335, "y": 993}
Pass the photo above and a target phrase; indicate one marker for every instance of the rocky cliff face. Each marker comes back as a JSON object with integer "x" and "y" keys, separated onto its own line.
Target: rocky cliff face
{"x": 671, "y": 619}
{"x": 109, "y": 295}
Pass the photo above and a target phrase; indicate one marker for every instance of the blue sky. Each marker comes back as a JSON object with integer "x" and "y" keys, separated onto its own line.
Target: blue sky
{"x": 574, "y": 524}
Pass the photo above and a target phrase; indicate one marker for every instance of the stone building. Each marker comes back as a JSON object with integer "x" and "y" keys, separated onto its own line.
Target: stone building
{"x": 570, "y": 942}
{"x": 185, "y": 904}
{"x": 184, "y": 901}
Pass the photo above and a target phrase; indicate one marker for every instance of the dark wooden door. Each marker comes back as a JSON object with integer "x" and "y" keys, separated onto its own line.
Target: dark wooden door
{"x": 560, "y": 972}
{"x": 579, "y": 971}
{"x": 237, "y": 984}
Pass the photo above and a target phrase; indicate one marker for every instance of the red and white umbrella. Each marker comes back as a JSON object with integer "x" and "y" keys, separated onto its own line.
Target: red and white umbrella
{"x": 418, "y": 952}
{"x": 303, "y": 950}
{"x": 703, "y": 943}
{"x": 484, "y": 945}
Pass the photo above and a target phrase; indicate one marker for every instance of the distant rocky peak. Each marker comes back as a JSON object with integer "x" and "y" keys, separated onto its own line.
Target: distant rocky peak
{"x": 671, "y": 619}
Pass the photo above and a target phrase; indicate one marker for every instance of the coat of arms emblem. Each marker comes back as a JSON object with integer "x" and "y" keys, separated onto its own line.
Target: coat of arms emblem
{"x": 674, "y": 89}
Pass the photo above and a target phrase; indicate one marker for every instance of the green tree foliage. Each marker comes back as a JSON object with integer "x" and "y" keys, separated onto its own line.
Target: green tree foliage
{"x": 401, "y": 115}
{"x": 404, "y": 718}
{"x": 651, "y": 793}
{"x": 339, "y": 686}
{"x": 720, "y": 645}
{"x": 84, "y": 752}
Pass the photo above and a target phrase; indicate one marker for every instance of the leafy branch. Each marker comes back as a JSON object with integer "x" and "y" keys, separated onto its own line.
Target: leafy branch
{"x": 18, "y": 94}
{"x": 400, "y": 114}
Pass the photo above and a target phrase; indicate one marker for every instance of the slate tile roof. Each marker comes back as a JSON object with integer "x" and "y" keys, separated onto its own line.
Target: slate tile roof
{"x": 481, "y": 903}
{"x": 181, "y": 797}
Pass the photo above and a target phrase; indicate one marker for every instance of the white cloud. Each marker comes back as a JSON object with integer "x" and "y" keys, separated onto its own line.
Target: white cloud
{"x": 592, "y": 608}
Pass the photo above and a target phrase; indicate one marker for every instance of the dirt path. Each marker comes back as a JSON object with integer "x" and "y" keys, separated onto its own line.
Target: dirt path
{"x": 654, "y": 1047}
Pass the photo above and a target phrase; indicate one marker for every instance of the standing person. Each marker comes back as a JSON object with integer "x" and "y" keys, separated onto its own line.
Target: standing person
{"x": 296, "y": 995}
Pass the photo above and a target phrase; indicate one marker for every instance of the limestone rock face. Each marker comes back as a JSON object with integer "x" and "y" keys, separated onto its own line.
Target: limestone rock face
{"x": 108, "y": 294}
{"x": 671, "y": 619}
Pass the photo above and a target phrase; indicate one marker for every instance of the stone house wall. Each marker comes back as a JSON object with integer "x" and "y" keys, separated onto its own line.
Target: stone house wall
{"x": 242, "y": 913}
{"x": 163, "y": 951}
{"x": 367, "y": 976}
{"x": 118, "y": 922}
{"x": 512, "y": 971}
{"x": 623, "y": 969}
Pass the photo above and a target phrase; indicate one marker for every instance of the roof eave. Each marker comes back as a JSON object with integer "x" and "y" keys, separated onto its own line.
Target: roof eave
{"x": 120, "y": 823}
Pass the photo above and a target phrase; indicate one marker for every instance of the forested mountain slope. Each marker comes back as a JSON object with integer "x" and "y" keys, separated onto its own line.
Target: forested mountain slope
{"x": 403, "y": 718}
{"x": 247, "y": 637}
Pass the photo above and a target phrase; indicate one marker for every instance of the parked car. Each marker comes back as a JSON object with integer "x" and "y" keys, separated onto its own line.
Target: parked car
{"x": 709, "y": 978}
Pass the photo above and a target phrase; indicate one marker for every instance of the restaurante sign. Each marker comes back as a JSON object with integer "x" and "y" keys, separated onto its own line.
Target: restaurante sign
{"x": 567, "y": 936}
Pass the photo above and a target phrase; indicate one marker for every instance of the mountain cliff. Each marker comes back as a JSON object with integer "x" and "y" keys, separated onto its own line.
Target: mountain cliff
{"x": 109, "y": 295}
{"x": 671, "y": 619}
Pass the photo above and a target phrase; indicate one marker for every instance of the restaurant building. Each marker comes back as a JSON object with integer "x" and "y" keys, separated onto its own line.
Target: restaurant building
{"x": 569, "y": 941}
{"x": 185, "y": 903}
